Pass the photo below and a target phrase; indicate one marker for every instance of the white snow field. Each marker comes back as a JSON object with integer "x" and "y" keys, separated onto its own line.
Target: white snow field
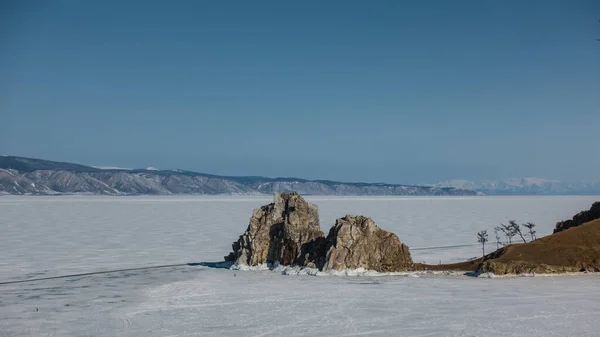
{"x": 53, "y": 236}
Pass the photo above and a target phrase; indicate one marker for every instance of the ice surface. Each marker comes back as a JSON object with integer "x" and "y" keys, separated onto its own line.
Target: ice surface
{"x": 203, "y": 301}
{"x": 50, "y": 236}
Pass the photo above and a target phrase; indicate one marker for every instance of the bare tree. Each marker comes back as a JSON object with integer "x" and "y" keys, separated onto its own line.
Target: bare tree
{"x": 530, "y": 226}
{"x": 497, "y": 231}
{"x": 508, "y": 231}
{"x": 514, "y": 226}
{"x": 482, "y": 238}
{"x": 502, "y": 228}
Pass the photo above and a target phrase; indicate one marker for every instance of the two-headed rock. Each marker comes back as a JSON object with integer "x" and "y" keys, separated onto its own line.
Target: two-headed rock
{"x": 287, "y": 232}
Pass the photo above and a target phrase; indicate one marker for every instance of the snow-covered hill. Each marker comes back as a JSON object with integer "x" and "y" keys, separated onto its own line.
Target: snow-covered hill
{"x": 42, "y": 177}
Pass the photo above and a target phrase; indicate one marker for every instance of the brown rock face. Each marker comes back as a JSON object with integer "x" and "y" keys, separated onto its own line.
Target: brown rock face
{"x": 524, "y": 267}
{"x": 356, "y": 242}
{"x": 287, "y": 231}
{"x": 284, "y": 231}
{"x": 580, "y": 218}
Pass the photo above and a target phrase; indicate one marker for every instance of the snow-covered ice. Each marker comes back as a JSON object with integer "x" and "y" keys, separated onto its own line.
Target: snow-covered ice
{"x": 52, "y": 236}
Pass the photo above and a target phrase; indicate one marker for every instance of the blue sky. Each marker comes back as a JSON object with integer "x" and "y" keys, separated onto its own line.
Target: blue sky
{"x": 394, "y": 91}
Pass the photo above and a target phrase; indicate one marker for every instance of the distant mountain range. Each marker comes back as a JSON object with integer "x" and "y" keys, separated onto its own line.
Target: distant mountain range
{"x": 524, "y": 186}
{"x": 28, "y": 176}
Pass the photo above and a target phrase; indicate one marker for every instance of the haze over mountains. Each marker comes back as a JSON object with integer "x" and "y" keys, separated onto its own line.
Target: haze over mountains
{"x": 524, "y": 186}
{"x": 29, "y": 176}
{"x": 21, "y": 176}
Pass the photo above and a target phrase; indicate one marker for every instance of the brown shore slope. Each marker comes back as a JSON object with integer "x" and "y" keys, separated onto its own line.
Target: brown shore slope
{"x": 571, "y": 250}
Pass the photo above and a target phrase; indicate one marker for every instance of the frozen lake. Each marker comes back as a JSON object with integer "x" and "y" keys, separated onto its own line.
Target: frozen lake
{"x": 53, "y": 236}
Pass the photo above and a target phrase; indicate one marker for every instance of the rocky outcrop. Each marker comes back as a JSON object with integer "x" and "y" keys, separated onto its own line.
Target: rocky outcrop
{"x": 284, "y": 232}
{"x": 287, "y": 232}
{"x": 580, "y": 218}
{"x": 357, "y": 242}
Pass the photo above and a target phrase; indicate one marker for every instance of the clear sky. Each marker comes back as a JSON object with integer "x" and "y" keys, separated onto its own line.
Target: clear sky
{"x": 394, "y": 91}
